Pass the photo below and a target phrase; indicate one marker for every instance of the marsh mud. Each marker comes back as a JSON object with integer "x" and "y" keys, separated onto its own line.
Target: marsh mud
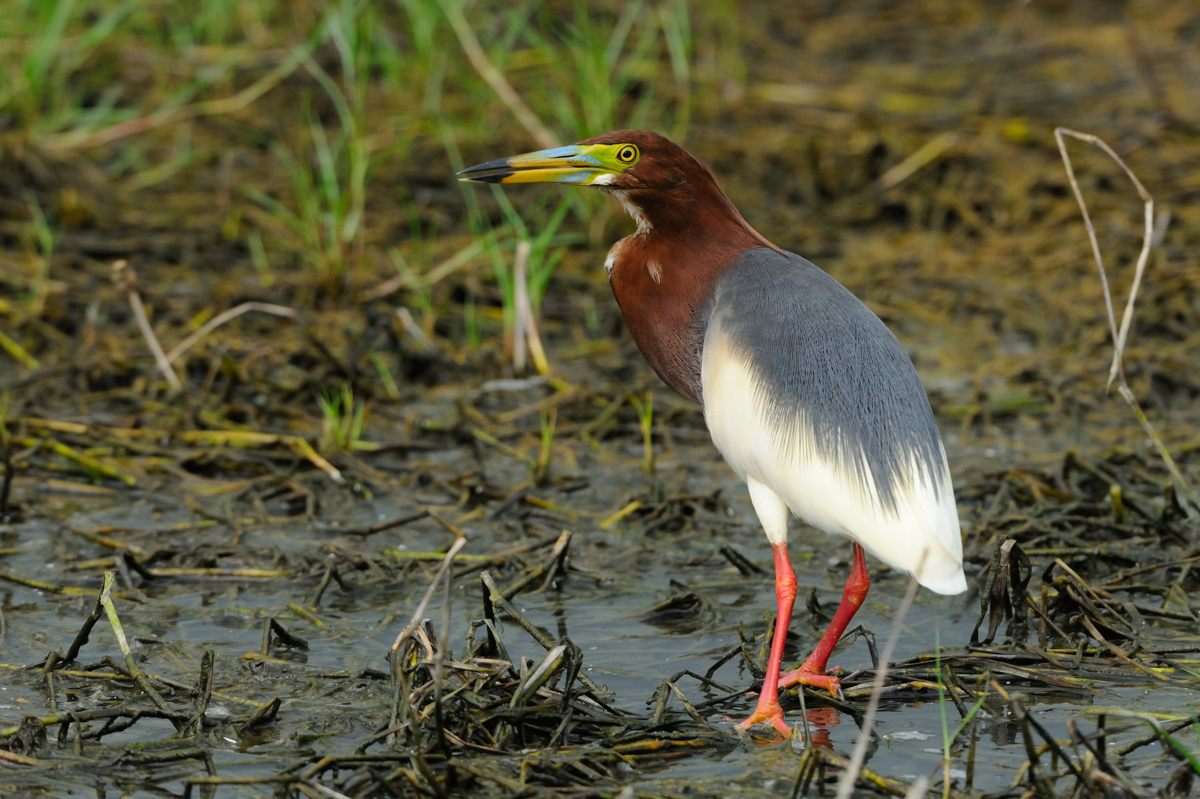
{"x": 237, "y": 588}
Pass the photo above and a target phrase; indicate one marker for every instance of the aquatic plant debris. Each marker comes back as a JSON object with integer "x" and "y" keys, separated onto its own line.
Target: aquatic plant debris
{"x": 199, "y": 596}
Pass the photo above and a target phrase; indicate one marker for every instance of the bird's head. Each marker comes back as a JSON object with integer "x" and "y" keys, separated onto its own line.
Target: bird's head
{"x": 662, "y": 186}
{"x": 623, "y": 160}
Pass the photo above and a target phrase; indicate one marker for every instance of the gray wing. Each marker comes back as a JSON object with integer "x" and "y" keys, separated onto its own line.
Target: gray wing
{"x": 820, "y": 353}
{"x": 807, "y": 392}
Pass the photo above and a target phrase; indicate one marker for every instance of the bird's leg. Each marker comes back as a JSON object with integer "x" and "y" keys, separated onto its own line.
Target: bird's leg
{"x": 812, "y": 670}
{"x": 768, "y": 710}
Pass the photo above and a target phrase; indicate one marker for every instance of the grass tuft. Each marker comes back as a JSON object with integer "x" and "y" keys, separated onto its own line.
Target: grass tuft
{"x": 343, "y": 420}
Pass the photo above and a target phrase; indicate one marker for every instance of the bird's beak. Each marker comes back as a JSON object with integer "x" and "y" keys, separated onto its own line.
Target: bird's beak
{"x": 581, "y": 164}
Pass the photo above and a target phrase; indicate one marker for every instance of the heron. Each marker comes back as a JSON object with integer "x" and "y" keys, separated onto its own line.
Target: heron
{"x": 807, "y": 395}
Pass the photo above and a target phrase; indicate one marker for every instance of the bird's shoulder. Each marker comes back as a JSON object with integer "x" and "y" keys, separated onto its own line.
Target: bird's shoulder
{"x": 786, "y": 313}
{"x": 806, "y": 391}
{"x": 795, "y": 349}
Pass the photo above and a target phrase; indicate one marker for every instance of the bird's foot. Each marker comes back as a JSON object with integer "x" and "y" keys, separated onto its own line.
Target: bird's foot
{"x": 812, "y": 678}
{"x": 770, "y": 713}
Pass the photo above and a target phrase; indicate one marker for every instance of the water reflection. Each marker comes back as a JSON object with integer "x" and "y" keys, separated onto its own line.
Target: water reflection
{"x": 816, "y": 732}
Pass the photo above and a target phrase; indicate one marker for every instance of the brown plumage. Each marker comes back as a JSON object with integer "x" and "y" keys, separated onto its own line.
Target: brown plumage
{"x": 664, "y": 273}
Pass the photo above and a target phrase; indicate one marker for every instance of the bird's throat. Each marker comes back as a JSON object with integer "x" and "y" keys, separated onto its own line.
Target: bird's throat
{"x": 663, "y": 276}
{"x": 664, "y": 291}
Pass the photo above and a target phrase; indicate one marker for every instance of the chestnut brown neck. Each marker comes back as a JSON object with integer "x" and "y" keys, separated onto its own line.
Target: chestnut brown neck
{"x": 664, "y": 275}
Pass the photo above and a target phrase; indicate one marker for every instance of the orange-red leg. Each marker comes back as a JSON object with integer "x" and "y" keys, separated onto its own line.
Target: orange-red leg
{"x": 768, "y": 710}
{"x": 812, "y": 670}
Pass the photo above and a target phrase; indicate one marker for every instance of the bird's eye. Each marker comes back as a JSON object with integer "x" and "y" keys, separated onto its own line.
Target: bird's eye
{"x": 627, "y": 154}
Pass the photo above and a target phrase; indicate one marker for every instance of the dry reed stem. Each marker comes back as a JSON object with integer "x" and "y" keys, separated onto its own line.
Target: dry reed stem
{"x": 518, "y": 323}
{"x": 1120, "y": 336}
{"x": 12, "y": 758}
{"x": 126, "y": 279}
{"x": 415, "y": 621}
{"x": 849, "y": 777}
{"x": 17, "y": 352}
{"x": 223, "y": 318}
{"x": 922, "y": 157}
{"x": 525, "y": 333}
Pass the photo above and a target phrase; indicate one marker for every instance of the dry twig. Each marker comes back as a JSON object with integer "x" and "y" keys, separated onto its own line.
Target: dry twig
{"x": 415, "y": 622}
{"x": 223, "y": 318}
{"x": 126, "y": 280}
{"x": 1120, "y": 336}
{"x": 849, "y": 777}
{"x": 525, "y": 329}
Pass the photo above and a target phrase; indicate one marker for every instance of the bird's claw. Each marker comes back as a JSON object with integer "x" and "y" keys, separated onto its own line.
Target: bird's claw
{"x": 813, "y": 679}
{"x": 771, "y": 714}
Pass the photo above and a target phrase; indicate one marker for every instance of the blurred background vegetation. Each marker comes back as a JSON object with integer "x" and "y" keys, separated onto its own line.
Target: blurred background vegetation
{"x": 302, "y": 153}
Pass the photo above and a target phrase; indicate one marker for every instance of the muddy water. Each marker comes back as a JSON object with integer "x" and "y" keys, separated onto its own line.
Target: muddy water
{"x": 331, "y": 702}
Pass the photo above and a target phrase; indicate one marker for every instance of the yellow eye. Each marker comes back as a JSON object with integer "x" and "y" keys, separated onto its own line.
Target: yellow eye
{"x": 628, "y": 154}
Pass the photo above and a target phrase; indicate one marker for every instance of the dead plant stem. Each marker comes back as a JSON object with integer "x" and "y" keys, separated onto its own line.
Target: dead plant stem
{"x": 849, "y": 777}
{"x": 1120, "y": 336}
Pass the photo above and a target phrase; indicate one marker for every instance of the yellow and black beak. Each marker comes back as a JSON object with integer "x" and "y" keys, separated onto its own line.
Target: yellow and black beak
{"x": 579, "y": 164}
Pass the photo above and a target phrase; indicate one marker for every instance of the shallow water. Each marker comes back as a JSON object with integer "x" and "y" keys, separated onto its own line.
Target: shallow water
{"x": 619, "y": 576}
